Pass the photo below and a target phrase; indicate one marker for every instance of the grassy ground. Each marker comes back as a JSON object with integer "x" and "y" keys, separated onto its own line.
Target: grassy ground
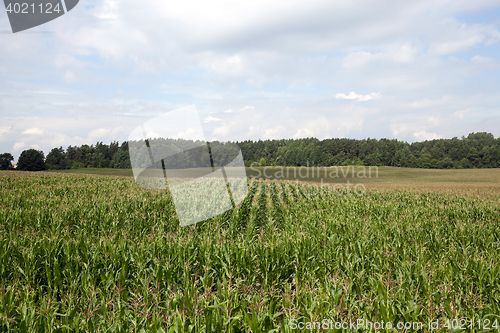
{"x": 482, "y": 180}
{"x": 96, "y": 171}
{"x": 90, "y": 253}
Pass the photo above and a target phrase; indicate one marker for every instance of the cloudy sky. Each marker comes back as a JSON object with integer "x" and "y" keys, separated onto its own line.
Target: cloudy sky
{"x": 411, "y": 70}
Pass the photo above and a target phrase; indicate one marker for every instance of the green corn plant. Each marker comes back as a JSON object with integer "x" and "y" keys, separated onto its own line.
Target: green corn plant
{"x": 277, "y": 210}
{"x": 83, "y": 253}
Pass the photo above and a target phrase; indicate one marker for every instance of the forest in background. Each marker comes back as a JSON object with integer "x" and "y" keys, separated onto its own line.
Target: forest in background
{"x": 477, "y": 150}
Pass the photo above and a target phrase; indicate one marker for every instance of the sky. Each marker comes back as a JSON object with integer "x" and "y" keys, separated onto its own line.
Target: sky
{"x": 410, "y": 70}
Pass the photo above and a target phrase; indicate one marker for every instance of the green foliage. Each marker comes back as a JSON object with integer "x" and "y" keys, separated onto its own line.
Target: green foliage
{"x": 99, "y": 254}
{"x": 477, "y": 150}
{"x": 121, "y": 160}
{"x": 56, "y": 159}
{"x": 480, "y": 150}
{"x": 31, "y": 160}
{"x": 77, "y": 165}
{"x": 6, "y": 161}
{"x": 94, "y": 156}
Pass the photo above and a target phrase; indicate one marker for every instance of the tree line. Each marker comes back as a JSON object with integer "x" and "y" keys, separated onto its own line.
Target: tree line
{"x": 99, "y": 155}
{"x": 477, "y": 150}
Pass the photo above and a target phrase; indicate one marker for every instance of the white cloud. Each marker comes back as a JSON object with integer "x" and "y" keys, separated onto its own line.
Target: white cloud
{"x": 398, "y": 129}
{"x": 461, "y": 114}
{"x": 153, "y": 134}
{"x": 351, "y": 119}
{"x": 484, "y": 61}
{"x": 433, "y": 121}
{"x": 70, "y": 77}
{"x": 229, "y": 111}
{"x": 67, "y": 60}
{"x": 108, "y": 10}
{"x": 64, "y": 130}
{"x": 189, "y": 134}
{"x": 5, "y": 130}
{"x": 425, "y": 103}
{"x": 423, "y": 136}
{"x": 18, "y": 146}
{"x": 358, "y": 97}
{"x": 402, "y": 53}
{"x": 103, "y": 134}
{"x": 234, "y": 60}
{"x": 34, "y": 131}
{"x": 210, "y": 118}
{"x": 396, "y": 53}
{"x": 246, "y": 108}
{"x": 277, "y": 132}
{"x": 230, "y": 67}
{"x": 495, "y": 38}
{"x": 3, "y": 133}
{"x": 221, "y": 132}
{"x": 452, "y": 36}
{"x": 357, "y": 59}
{"x": 456, "y": 46}
{"x": 303, "y": 133}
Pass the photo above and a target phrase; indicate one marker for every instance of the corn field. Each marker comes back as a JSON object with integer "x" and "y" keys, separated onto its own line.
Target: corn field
{"x": 82, "y": 253}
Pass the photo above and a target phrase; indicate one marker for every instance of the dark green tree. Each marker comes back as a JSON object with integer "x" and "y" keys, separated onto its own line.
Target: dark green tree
{"x": 402, "y": 157}
{"x": 121, "y": 160}
{"x": 31, "y": 160}
{"x": 480, "y": 150}
{"x": 6, "y": 161}
{"x": 56, "y": 159}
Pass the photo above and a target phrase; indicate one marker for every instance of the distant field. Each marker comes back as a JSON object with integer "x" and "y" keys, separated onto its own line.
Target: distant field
{"x": 392, "y": 177}
{"x": 93, "y": 253}
{"x": 97, "y": 171}
{"x": 385, "y": 178}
